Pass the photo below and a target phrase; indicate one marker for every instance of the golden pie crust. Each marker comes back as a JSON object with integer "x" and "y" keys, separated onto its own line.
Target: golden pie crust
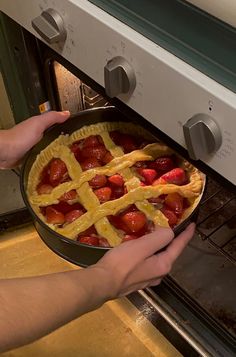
{"x": 122, "y": 163}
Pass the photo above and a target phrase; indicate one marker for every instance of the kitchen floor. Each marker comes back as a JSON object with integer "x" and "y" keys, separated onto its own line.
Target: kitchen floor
{"x": 116, "y": 329}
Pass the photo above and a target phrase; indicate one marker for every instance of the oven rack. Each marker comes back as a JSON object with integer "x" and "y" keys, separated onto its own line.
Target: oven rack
{"x": 216, "y": 220}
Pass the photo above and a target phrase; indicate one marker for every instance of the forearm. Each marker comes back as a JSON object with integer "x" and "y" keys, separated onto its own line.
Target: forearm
{"x": 33, "y": 307}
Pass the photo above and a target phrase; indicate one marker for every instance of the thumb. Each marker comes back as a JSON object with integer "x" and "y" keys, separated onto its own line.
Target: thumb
{"x": 33, "y": 129}
{"x": 36, "y": 125}
{"x": 46, "y": 120}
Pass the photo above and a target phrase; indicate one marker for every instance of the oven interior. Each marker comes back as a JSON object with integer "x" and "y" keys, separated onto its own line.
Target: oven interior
{"x": 204, "y": 275}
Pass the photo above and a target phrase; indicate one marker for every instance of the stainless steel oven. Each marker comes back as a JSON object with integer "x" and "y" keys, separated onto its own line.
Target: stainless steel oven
{"x": 173, "y": 65}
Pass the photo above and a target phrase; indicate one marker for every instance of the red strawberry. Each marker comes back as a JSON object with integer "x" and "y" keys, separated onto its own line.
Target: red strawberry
{"x": 174, "y": 201}
{"x": 89, "y": 163}
{"x": 176, "y": 176}
{"x": 94, "y": 241}
{"x": 68, "y": 196}
{"x": 159, "y": 181}
{"x": 98, "y": 181}
{"x": 186, "y": 203}
{"x": 53, "y": 216}
{"x": 97, "y": 152}
{"x": 141, "y": 164}
{"x": 116, "y": 180}
{"x": 115, "y": 136}
{"x": 135, "y": 221}
{"x": 58, "y": 172}
{"x": 90, "y": 141}
{"x": 75, "y": 145}
{"x": 103, "y": 194}
{"x": 107, "y": 158}
{"x": 117, "y": 222}
{"x": 142, "y": 231}
{"x": 171, "y": 216}
{"x": 73, "y": 215}
{"x": 44, "y": 176}
{"x": 117, "y": 192}
{"x": 78, "y": 206}
{"x": 63, "y": 207}
{"x": 156, "y": 200}
{"x": 88, "y": 232}
{"x": 127, "y": 142}
{"x": 75, "y": 148}
{"x": 148, "y": 174}
{"x": 131, "y": 208}
{"x": 162, "y": 164}
{"x": 44, "y": 188}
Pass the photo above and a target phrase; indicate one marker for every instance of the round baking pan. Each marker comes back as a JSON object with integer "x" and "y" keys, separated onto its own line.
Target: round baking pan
{"x": 73, "y": 251}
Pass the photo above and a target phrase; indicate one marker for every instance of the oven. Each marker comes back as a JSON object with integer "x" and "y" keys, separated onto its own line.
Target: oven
{"x": 170, "y": 65}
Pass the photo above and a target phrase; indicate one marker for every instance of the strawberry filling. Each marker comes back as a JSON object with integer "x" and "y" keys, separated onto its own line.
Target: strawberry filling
{"x": 132, "y": 223}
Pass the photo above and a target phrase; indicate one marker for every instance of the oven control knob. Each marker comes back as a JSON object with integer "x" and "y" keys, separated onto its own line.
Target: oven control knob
{"x": 119, "y": 77}
{"x": 202, "y": 136}
{"x": 50, "y": 26}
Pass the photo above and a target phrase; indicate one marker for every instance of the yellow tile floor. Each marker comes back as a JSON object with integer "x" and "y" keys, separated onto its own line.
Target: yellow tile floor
{"x": 117, "y": 329}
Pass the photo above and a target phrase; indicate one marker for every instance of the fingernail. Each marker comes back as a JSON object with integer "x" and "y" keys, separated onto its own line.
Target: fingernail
{"x": 191, "y": 225}
{"x": 66, "y": 112}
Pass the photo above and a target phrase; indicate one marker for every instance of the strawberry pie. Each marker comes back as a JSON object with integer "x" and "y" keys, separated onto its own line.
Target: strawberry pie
{"x": 111, "y": 182}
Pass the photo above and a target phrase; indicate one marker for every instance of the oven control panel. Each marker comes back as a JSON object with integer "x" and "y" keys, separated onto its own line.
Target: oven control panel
{"x": 191, "y": 108}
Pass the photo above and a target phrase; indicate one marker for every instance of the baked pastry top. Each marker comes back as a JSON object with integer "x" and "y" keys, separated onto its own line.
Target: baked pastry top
{"x": 111, "y": 182}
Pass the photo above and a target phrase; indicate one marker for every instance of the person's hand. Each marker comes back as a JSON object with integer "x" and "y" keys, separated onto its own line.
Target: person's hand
{"x": 141, "y": 263}
{"x": 47, "y": 302}
{"x": 15, "y": 142}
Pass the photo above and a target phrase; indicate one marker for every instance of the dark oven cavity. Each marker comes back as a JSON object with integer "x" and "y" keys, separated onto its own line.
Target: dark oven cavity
{"x": 204, "y": 277}
{"x": 207, "y": 267}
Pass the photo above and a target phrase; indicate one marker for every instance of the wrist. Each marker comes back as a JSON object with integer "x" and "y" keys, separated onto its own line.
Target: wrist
{"x": 110, "y": 278}
{"x": 9, "y": 149}
{"x": 4, "y": 148}
{"x": 89, "y": 287}
{"x": 102, "y": 282}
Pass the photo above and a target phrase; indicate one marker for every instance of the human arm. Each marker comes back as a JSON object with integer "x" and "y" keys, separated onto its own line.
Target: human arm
{"x": 15, "y": 142}
{"x": 33, "y": 307}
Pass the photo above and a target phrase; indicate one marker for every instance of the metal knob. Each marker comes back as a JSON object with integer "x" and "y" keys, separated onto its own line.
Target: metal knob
{"x": 50, "y": 26}
{"x": 119, "y": 77}
{"x": 202, "y": 136}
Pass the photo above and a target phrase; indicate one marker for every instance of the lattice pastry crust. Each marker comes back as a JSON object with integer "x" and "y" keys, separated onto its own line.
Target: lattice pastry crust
{"x": 96, "y": 213}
